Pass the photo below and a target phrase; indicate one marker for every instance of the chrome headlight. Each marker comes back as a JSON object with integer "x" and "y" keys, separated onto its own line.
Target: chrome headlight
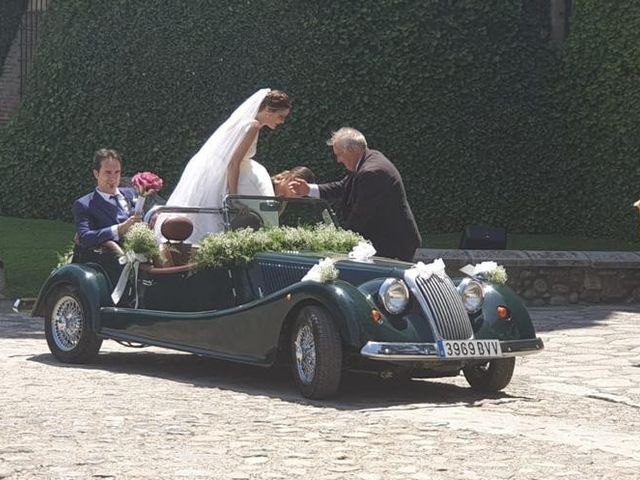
{"x": 472, "y": 295}
{"x": 394, "y": 295}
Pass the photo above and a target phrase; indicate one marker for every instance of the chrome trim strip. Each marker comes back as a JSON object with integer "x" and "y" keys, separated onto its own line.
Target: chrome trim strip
{"x": 442, "y": 306}
{"x": 400, "y": 351}
{"x": 449, "y": 313}
{"x": 410, "y": 276}
{"x": 178, "y": 209}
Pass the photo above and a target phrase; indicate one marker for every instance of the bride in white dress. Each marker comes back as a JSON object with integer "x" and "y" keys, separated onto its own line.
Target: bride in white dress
{"x": 224, "y": 164}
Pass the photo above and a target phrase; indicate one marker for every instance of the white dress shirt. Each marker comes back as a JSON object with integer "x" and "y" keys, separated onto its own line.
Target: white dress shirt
{"x": 314, "y": 191}
{"x": 119, "y": 200}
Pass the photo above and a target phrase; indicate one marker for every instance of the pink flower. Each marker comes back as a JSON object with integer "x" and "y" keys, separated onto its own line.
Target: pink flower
{"x": 146, "y": 183}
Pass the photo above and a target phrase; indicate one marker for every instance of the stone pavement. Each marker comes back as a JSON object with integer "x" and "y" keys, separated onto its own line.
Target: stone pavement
{"x": 571, "y": 412}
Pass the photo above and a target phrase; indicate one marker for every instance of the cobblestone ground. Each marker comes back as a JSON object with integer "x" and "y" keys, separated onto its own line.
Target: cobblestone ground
{"x": 571, "y": 412}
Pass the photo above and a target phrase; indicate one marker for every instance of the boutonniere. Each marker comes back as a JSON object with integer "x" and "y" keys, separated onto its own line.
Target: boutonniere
{"x": 489, "y": 271}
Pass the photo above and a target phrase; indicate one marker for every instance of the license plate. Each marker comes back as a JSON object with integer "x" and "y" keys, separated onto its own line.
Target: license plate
{"x": 469, "y": 348}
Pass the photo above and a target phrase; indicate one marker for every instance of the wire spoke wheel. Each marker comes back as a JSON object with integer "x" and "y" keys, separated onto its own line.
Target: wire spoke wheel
{"x": 66, "y": 323}
{"x": 316, "y": 349}
{"x": 305, "y": 354}
{"x": 68, "y": 326}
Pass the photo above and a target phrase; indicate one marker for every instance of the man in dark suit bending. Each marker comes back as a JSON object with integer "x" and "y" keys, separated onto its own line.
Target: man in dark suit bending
{"x": 372, "y": 196}
{"x": 107, "y": 212}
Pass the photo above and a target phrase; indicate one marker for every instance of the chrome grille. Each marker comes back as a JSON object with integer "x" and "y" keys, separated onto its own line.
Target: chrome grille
{"x": 280, "y": 275}
{"x": 449, "y": 314}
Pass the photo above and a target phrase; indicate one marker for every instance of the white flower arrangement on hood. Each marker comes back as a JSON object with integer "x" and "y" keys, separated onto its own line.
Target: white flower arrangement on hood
{"x": 322, "y": 272}
{"x": 490, "y": 271}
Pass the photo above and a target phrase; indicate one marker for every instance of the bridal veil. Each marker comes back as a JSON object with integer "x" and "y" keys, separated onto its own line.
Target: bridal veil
{"x": 204, "y": 180}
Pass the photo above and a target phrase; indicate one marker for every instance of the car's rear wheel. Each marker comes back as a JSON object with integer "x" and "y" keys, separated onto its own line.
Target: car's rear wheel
{"x": 491, "y": 376}
{"x": 67, "y": 326}
{"x": 317, "y": 353}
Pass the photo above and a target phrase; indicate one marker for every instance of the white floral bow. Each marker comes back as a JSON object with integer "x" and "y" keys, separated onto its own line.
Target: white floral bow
{"x": 130, "y": 260}
{"x": 322, "y": 272}
{"x": 362, "y": 252}
{"x": 480, "y": 268}
{"x": 489, "y": 270}
{"x": 434, "y": 268}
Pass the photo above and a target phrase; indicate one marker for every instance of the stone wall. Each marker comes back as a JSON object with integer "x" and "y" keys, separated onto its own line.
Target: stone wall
{"x": 556, "y": 278}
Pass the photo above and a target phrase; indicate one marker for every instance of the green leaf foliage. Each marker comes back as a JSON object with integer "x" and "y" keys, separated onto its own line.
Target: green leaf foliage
{"x": 466, "y": 98}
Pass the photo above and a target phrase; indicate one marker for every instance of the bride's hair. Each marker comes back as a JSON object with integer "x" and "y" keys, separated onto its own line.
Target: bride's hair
{"x": 275, "y": 100}
{"x": 299, "y": 171}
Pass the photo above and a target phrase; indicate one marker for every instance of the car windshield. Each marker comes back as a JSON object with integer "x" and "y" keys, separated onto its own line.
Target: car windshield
{"x": 241, "y": 211}
{"x": 256, "y": 212}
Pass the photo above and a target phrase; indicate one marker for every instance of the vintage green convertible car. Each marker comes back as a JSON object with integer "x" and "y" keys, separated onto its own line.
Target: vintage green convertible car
{"x": 385, "y": 316}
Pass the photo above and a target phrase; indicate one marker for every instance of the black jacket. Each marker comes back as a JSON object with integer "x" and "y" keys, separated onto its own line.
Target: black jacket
{"x": 373, "y": 203}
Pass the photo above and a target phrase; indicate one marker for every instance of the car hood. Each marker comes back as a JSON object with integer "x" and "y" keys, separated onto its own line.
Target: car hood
{"x": 352, "y": 271}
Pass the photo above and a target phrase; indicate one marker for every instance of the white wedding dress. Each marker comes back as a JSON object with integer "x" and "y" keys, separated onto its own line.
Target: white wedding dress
{"x": 204, "y": 180}
{"x": 254, "y": 179}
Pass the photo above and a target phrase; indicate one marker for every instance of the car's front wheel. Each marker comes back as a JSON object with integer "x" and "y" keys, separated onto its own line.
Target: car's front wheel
{"x": 317, "y": 353}
{"x": 67, "y": 327}
{"x": 491, "y": 376}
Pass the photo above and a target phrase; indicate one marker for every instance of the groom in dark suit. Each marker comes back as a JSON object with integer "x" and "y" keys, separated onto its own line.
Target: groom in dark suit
{"x": 372, "y": 196}
{"x": 107, "y": 212}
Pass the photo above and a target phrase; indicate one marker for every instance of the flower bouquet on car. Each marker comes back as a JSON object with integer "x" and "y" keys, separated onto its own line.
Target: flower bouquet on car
{"x": 139, "y": 247}
{"x": 146, "y": 184}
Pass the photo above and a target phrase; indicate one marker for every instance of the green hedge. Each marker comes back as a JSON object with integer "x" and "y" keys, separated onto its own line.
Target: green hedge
{"x": 10, "y": 14}
{"x": 602, "y": 96}
{"x": 463, "y": 97}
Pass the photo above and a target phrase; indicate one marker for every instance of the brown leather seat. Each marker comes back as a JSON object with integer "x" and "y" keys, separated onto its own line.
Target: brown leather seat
{"x": 176, "y": 230}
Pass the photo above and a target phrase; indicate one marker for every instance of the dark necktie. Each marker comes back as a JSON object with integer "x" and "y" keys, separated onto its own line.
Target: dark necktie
{"x": 119, "y": 203}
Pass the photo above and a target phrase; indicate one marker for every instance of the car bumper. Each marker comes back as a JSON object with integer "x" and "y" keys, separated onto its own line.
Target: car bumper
{"x": 429, "y": 351}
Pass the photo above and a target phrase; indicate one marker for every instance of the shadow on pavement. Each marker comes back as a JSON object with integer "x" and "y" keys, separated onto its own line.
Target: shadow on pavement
{"x": 358, "y": 391}
{"x": 21, "y": 325}
{"x": 547, "y": 319}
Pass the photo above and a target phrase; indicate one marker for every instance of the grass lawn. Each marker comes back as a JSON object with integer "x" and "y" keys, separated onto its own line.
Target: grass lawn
{"x": 30, "y": 248}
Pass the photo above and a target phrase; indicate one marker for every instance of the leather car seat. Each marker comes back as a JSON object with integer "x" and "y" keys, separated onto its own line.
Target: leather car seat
{"x": 176, "y": 230}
